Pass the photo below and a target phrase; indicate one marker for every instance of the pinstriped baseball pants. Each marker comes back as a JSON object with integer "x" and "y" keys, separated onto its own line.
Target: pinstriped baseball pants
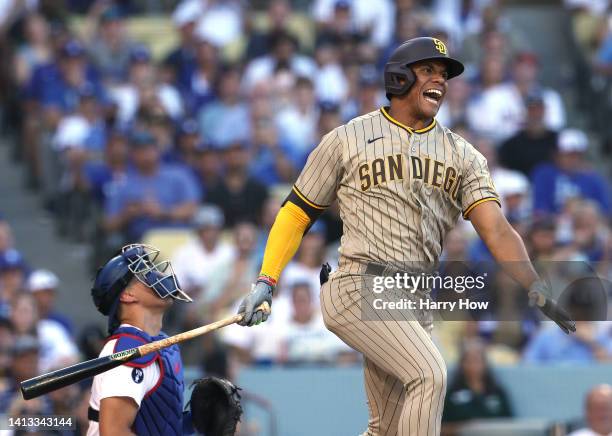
{"x": 405, "y": 375}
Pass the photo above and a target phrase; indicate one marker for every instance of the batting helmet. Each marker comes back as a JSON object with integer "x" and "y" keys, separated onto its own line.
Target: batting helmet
{"x": 139, "y": 261}
{"x": 411, "y": 51}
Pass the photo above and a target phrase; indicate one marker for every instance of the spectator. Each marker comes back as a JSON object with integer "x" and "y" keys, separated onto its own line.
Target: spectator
{"x": 151, "y": 195}
{"x": 7, "y": 341}
{"x": 225, "y": 120}
{"x": 374, "y": 19}
{"x": 187, "y": 142}
{"x": 306, "y": 265}
{"x": 100, "y": 177}
{"x": 587, "y": 346}
{"x": 541, "y": 241}
{"x": 207, "y": 168}
{"x": 568, "y": 176}
{"x": 56, "y": 347}
{"x": 282, "y": 59}
{"x": 13, "y": 273}
{"x": 60, "y": 96}
{"x": 278, "y": 15}
{"x": 197, "y": 263}
{"x": 142, "y": 91}
{"x": 239, "y": 195}
{"x": 474, "y": 393}
{"x": 221, "y": 21}
{"x": 587, "y": 238}
{"x": 24, "y": 365}
{"x": 181, "y": 60}
{"x": 35, "y": 51}
{"x": 297, "y": 123}
{"x": 368, "y": 96}
{"x": 453, "y": 110}
{"x": 109, "y": 45}
{"x": 197, "y": 79}
{"x": 237, "y": 275}
{"x": 273, "y": 161}
{"x": 330, "y": 83}
{"x": 44, "y": 284}
{"x": 534, "y": 144}
{"x": 305, "y": 339}
{"x": 598, "y": 412}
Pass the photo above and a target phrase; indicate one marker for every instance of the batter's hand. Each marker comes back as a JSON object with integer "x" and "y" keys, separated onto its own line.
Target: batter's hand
{"x": 261, "y": 292}
{"x": 550, "y": 308}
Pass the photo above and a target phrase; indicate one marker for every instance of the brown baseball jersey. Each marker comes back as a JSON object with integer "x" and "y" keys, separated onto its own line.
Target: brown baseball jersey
{"x": 399, "y": 190}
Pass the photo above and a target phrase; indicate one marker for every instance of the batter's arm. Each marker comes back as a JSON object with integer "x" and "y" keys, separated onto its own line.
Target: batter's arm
{"x": 508, "y": 249}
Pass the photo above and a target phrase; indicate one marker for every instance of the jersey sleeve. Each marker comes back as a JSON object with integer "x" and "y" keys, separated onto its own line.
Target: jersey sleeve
{"x": 318, "y": 182}
{"x": 477, "y": 186}
{"x": 126, "y": 381}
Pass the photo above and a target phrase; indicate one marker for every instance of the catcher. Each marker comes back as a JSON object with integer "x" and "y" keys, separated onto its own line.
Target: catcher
{"x": 145, "y": 396}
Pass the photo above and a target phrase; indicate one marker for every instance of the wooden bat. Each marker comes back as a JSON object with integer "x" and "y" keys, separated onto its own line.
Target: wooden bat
{"x": 60, "y": 378}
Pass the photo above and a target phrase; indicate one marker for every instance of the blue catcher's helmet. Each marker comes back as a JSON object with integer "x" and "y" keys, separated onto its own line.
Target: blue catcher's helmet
{"x": 134, "y": 261}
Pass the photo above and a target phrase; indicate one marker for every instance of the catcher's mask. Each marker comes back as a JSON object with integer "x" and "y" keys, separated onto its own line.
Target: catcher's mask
{"x": 133, "y": 261}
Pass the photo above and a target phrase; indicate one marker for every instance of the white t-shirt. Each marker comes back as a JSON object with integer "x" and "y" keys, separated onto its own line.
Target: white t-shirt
{"x": 585, "y": 432}
{"x": 123, "y": 381}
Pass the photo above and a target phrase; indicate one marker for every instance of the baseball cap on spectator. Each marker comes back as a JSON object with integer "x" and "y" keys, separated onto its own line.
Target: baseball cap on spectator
{"x": 208, "y": 216}
{"x": 142, "y": 138}
{"x": 11, "y": 260}
{"x": 112, "y": 13}
{"x": 140, "y": 53}
{"x": 327, "y": 106}
{"x": 534, "y": 97}
{"x": 42, "y": 280}
{"x": 189, "y": 126}
{"x": 511, "y": 183}
{"x": 527, "y": 56}
{"x": 187, "y": 12}
{"x": 73, "y": 48}
{"x": 572, "y": 141}
{"x": 342, "y": 4}
{"x": 25, "y": 344}
{"x": 368, "y": 76}
{"x": 72, "y": 131}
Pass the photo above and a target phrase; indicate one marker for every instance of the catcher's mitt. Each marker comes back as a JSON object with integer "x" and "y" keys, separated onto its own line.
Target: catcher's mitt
{"x": 215, "y": 406}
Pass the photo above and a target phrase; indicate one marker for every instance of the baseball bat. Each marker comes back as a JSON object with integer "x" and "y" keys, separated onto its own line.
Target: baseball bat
{"x": 63, "y": 377}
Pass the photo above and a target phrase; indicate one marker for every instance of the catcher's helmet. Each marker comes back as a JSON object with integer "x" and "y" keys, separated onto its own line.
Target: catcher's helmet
{"x": 134, "y": 260}
{"x": 411, "y": 51}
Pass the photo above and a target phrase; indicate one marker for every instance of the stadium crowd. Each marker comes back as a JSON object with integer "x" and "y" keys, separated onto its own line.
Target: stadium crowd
{"x": 132, "y": 139}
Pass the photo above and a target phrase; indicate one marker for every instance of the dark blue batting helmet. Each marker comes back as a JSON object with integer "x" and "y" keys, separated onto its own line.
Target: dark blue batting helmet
{"x": 134, "y": 261}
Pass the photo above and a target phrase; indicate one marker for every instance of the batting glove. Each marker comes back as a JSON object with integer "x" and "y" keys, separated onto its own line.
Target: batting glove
{"x": 550, "y": 308}
{"x": 262, "y": 291}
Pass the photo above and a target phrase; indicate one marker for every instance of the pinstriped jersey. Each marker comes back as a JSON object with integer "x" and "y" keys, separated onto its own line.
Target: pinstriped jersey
{"x": 399, "y": 190}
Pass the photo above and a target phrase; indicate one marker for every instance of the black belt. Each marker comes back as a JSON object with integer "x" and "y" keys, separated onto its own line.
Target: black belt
{"x": 379, "y": 269}
{"x": 93, "y": 414}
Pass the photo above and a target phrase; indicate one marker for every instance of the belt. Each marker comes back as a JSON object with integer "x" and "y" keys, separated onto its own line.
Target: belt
{"x": 379, "y": 269}
{"x": 93, "y": 414}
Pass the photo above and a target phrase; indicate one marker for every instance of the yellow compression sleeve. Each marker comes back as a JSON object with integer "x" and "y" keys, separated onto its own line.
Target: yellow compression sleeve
{"x": 284, "y": 239}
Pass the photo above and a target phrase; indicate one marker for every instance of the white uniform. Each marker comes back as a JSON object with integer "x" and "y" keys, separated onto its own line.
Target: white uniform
{"x": 123, "y": 381}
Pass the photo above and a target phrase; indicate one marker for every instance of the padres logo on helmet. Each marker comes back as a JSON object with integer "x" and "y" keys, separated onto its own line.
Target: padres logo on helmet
{"x": 398, "y": 75}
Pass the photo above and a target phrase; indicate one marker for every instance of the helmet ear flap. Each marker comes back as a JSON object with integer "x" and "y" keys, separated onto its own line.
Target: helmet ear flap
{"x": 398, "y": 79}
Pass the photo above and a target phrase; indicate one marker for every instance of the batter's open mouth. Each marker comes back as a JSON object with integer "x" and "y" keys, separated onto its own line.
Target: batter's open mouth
{"x": 433, "y": 95}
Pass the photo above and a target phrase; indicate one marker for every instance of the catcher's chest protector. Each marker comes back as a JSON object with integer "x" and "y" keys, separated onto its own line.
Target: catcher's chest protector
{"x": 161, "y": 410}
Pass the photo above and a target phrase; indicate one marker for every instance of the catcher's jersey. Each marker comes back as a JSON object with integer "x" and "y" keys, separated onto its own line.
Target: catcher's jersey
{"x": 399, "y": 190}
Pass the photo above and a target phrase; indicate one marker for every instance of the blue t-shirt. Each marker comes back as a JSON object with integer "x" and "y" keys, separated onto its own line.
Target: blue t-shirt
{"x": 552, "y": 187}
{"x": 554, "y": 346}
{"x": 170, "y": 186}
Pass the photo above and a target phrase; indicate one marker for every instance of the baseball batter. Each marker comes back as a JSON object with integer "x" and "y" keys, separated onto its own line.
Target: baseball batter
{"x": 402, "y": 181}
